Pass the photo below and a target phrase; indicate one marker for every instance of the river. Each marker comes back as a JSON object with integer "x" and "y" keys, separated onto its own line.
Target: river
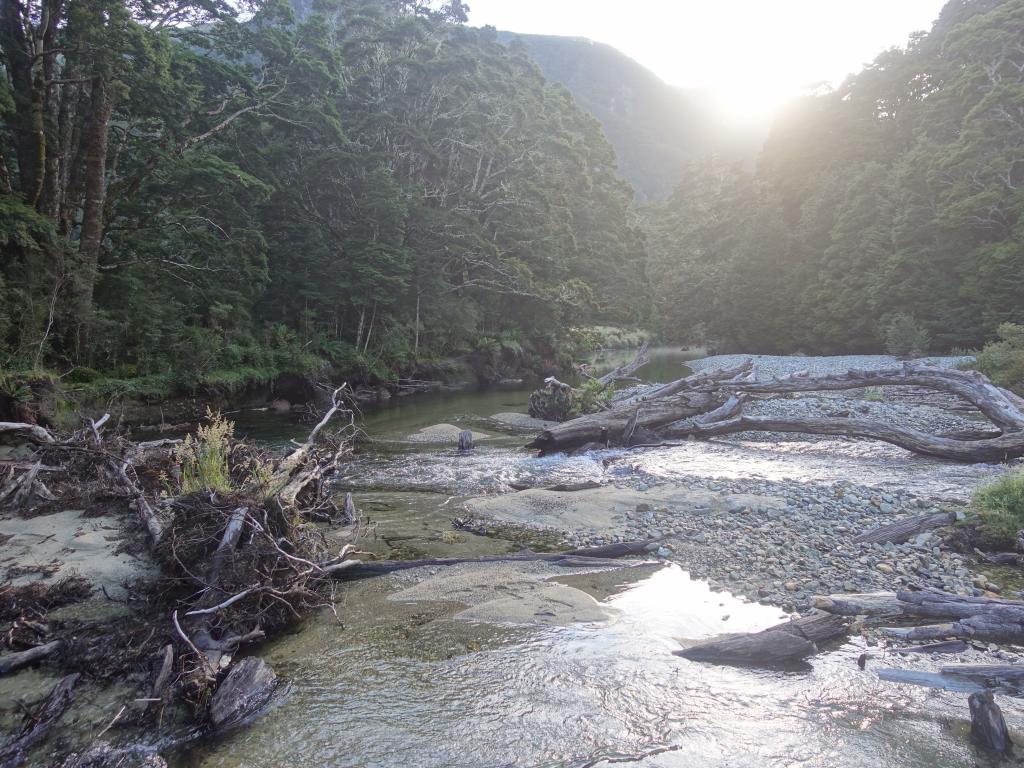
{"x": 399, "y": 678}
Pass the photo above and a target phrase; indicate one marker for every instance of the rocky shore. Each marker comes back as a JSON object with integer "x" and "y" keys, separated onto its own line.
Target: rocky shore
{"x": 786, "y": 556}
{"x": 777, "y": 542}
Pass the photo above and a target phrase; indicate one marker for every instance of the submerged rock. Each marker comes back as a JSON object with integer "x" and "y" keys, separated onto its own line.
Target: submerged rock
{"x": 443, "y": 433}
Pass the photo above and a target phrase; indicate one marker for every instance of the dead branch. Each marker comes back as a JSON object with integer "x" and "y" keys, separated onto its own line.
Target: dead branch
{"x": 710, "y": 404}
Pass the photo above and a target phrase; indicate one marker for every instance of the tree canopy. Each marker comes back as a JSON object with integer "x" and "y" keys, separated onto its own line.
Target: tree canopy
{"x": 898, "y": 193}
{"x": 357, "y": 183}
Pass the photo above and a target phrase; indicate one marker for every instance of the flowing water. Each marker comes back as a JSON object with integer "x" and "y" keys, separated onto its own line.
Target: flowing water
{"x": 398, "y": 679}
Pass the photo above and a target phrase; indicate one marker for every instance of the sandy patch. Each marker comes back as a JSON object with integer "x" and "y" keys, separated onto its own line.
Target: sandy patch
{"x": 604, "y": 509}
{"x": 442, "y": 433}
{"x": 516, "y": 593}
{"x": 69, "y": 543}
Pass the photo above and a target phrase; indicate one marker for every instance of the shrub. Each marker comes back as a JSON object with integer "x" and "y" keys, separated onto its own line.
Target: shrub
{"x": 1003, "y": 360}
{"x": 82, "y": 375}
{"x": 592, "y": 397}
{"x": 903, "y": 335}
{"x": 203, "y": 459}
{"x": 999, "y": 507}
{"x": 873, "y": 395}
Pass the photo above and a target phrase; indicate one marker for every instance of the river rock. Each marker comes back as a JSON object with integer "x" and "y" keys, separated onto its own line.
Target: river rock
{"x": 443, "y": 433}
{"x": 247, "y": 687}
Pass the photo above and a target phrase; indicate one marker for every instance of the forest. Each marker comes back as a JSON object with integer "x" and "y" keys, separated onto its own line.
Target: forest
{"x": 896, "y": 197}
{"x": 193, "y": 196}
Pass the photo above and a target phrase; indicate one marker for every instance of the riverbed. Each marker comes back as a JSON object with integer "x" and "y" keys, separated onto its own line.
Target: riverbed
{"x": 528, "y": 665}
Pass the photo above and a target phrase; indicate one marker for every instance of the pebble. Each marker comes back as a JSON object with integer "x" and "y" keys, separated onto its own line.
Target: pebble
{"x": 786, "y": 557}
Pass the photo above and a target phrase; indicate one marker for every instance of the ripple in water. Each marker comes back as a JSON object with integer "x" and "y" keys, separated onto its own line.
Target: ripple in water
{"x": 589, "y": 695}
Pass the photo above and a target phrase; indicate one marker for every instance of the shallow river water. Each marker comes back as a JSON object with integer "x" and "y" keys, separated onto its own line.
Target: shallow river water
{"x": 396, "y": 682}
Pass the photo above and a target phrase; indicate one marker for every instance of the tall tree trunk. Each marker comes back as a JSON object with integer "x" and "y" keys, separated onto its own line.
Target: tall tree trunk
{"x": 29, "y": 87}
{"x": 369, "y": 331}
{"x": 359, "y": 330}
{"x": 416, "y": 338}
{"x": 92, "y": 208}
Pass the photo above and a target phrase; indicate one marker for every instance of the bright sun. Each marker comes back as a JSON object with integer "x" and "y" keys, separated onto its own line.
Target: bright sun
{"x": 752, "y": 55}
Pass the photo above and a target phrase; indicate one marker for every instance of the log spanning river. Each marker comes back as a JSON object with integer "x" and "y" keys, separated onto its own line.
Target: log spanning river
{"x": 528, "y": 665}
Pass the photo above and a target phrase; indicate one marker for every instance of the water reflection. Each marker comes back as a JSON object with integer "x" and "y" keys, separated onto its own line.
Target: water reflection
{"x": 579, "y": 695}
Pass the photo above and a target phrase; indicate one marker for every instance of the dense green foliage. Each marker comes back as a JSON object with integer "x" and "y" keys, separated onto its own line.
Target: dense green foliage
{"x": 190, "y": 197}
{"x": 901, "y": 192}
{"x": 655, "y": 128}
{"x": 1002, "y": 360}
{"x": 999, "y": 507}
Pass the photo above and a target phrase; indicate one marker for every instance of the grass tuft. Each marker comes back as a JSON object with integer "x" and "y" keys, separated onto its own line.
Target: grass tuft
{"x": 999, "y": 507}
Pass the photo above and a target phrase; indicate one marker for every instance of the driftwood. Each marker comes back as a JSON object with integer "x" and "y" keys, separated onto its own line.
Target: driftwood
{"x": 625, "y": 372}
{"x": 38, "y": 723}
{"x": 300, "y": 476}
{"x": 32, "y": 432}
{"x": 710, "y": 404}
{"x": 784, "y": 643}
{"x": 588, "y": 557}
{"x": 906, "y": 529}
{"x": 11, "y": 662}
{"x": 946, "y": 646}
{"x": 586, "y": 485}
{"x": 963, "y": 617}
{"x": 1006, "y": 679}
{"x": 988, "y": 728}
{"x": 247, "y": 687}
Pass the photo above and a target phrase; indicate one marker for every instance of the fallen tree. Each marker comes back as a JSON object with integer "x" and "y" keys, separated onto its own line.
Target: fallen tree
{"x": 963, "y": 616}
{"x": 791, "y": 641}
{"x": 710, "y": 404}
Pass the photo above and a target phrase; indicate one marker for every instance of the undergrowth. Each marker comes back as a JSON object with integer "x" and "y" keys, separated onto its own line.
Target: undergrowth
{"x": 203, "y": 459}
{"x": 999, "y": 508}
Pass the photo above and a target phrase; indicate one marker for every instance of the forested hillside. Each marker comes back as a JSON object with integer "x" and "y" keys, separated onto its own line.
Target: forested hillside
{"x": 654, "y": 127}
{"x": 899, "y": 194}
{"x": 195, "y": 198}
{"x": 189, "y": 197}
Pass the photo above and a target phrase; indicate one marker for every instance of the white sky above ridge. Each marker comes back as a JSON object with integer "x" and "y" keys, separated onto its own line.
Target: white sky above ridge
{"x": 751, "y": 54}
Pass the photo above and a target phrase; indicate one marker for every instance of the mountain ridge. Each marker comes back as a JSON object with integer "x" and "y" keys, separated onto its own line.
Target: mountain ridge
{"x": 655, "y": 127}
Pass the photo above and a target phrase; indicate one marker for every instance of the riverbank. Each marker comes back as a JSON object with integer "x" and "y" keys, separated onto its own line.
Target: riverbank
{"x": 748, "y": 524}
{"x": 780, "y": 540}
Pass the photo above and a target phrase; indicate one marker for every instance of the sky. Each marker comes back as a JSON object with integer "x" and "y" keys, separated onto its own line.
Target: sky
{"x": 751, "y": 54}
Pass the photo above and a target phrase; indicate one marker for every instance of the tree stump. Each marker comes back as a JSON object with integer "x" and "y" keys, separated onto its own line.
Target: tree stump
{"x": 988, "y": 728}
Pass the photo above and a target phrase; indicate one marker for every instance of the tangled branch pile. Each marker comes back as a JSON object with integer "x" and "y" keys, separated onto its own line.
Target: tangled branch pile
{"x": 233, "y": 529}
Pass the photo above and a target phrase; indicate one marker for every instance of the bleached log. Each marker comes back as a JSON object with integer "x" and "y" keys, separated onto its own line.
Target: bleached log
{"x": 12, "y": 662}
{"x": 32, "y": 432}
{"x": 904, "y": 530}
{"x": 1006, "y": 447}
{"x": 627, "y": 370}
{"x": 1001, "y": 407}
{"x": 860, "y": 604}
{"x": 1006, "y": 679}
{"x": 787, "y": 642}
{"x": 711, "y": 417}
